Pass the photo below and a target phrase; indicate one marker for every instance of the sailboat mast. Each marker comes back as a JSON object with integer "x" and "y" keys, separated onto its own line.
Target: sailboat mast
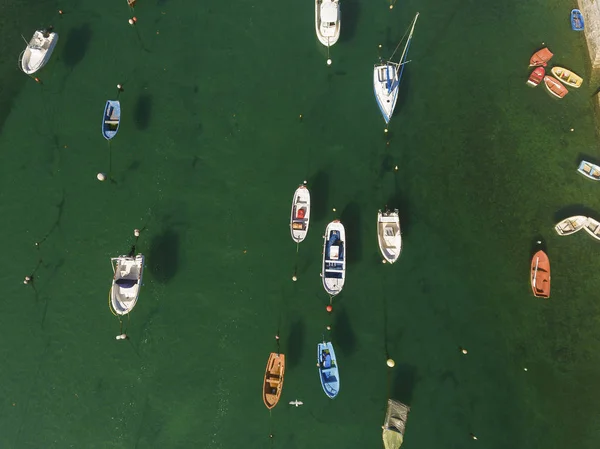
{"x": 405, "y": 51}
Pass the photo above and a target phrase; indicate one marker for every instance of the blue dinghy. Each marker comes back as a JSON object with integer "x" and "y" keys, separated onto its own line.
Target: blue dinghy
{"x": 576, "y": 20}
{"x": 328, "y": 369}
{"x": 111, "y": 119}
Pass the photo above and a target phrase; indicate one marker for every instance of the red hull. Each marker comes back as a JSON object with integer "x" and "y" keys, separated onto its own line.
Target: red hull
{"x": 536, "y": 76}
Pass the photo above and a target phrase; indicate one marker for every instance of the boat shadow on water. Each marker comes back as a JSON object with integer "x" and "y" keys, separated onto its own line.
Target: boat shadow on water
{"x": 76, "y": 45}
{"x": 295, "y": 343}
{"x": 572, "y": 210}
{"x": 350, "y": 10}
{"x": 403, "y": 382}
{"x": 342, "y": 332}
{"x": 319, "y": 188}
{"x": 163, "y": 256}
{"x": 351, "y": 219}
{"x": 403, "y": 93}
{"x": 142, "y": 112}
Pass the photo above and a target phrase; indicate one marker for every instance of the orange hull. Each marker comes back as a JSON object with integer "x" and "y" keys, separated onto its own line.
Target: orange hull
{"x": 555, "y": 87}
{"x": 541, "y": 58}
{"x": 273, "y": 381}
{"x": 540, "y": 275}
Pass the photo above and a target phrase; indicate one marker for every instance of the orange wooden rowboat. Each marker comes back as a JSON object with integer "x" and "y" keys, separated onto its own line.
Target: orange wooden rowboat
{"x": 540, "y": 275}
{"x": 273, "y": 381}
{"x": 541, "y": 57}
{"x": 555, "y": 87}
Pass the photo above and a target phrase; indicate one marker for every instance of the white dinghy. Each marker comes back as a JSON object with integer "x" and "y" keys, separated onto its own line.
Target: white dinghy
{"x": 388, "y": 234}
{"x": 592, "y": 227}
{"x": 300, "y": 216}
{"x": 334, "y": 258}
{"x": 327, "y": 21}
{"x": 38, "y": 51}
{"x": 570, "y": 225}
{"x": 126, "y": 283}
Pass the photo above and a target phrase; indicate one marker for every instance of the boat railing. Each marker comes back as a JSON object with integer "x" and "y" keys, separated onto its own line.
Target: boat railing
{"x": 20, "y": 61}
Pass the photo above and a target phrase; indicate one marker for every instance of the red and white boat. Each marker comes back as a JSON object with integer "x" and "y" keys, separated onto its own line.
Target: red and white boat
{"x": 541, "y": 57}
{"x": 555, "y": 87}
{"x": 536, "y": 76}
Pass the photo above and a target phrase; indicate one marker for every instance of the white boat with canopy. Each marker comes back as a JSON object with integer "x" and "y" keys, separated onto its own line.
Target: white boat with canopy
{"x": 126, "y": 283}
{"x": 387, "y": 76}
{"x": 388, "y": 235}
{"x": 334, "y": 258}
{"x": 327, "y": 21}
{"x": 394, "y": 424}
{"x": 300, "y": 216}
{"x": 38, "y": 51}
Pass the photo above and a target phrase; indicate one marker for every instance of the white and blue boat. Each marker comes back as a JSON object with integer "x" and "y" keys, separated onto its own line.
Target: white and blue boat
{"x": 334, "y": 258}
{"x": 328, "y": 369}
{"x": 387, "y": 76}
{"x": 577, "y": 23}
{"x": 111, "y": 119}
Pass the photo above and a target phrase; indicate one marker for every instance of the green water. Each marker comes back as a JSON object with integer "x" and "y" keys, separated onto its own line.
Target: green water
{"x": 207, "y": 158}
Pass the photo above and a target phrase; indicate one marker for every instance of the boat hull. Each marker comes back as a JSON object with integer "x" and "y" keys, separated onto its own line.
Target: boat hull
{"x": 577, "y": 23}
{"x": 389, "y": 235}
{"x": 589, "y": 170}
{"x": 592, "y": 227}
{"x": 567, "y": 77}
{"x": 333, "y": 270}
{"x": 327, "y": 12}
{"x": 300, "y": 215}
{"x": 570, "y": 225}
{"x": 536, "y": 76}
{"x": 555, "y": 87}
{"x": 394, "y": 426}
{"x": 385, "y": 87}
{"x": 540, "y": 58}
{"x": 328, "y": 369}
{"x": 127, "y": 282}
{"x": 38, "y": 52}
{"x": 540, "y": 275}
{"x": 273, "y": 380}
{"x": 111, "y": 119}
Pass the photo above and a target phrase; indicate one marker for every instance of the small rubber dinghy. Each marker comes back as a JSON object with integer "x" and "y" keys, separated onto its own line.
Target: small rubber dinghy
{"x": 592, "y": 227}
{"x": 327, "y": 21}
{"x": 589, "y": 170}
{"x": 111, "y": 119}
{"x": 333, "y": 271}
{"x": 570, "y": 225}
{"x": 394, "y": 425}
{"x": 569, "y": 78}
{"x": 273, "y": 381}
{"x": 540, "y": 57}
{"x": 126, "y": 283}
{"x": 536, "y": 76}
{"x": 555, "y": 87}
{"x": 540, "y": 275}
{"x": 300, "y": 217}
{"x": 38, "y": 51}
{"x": 328, "y": 369}
{"x": 577, "y": 23}
{"x": 388, "y": 235}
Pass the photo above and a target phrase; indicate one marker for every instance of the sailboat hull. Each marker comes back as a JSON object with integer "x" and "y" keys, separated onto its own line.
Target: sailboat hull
{"x": 385, "y": 88}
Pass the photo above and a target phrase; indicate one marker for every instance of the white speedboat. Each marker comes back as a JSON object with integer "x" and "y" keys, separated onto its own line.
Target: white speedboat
{"x": 387, "y": 76}
{"x": 589, "y": 170}
{"x": 126, "y": 283}
{"x": 300, "y": 217}
{"x": 592, "y": 227}
{"x": 334, "y": 258}
{"x": 570, "y": 225}
{"x": 327, "y": 21}
{"x": 38, "y": 51}
{"x": 388, "y": 234}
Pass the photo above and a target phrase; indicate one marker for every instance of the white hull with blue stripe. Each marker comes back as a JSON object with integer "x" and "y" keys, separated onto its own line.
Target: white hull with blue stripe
{"x": 328, "y": 369}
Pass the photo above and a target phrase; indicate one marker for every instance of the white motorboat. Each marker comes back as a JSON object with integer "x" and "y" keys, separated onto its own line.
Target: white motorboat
{"x": 387, "y": 76}
{"x": 300, "y": 216}
{"x": 327, "y": 21}
{"x": 333, "y": 271}
{"x": 38, "y": 51}
{"x": 592, "y": 227}
{"x": 388, "y": 234}
{"x": 126, "y": 283}
{"x": 570, "y": 225}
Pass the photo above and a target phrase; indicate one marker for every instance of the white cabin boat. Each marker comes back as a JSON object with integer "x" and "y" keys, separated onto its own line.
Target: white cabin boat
{"x": 327, "y": 21}
{"x": 38, "y": 51}
{"x": 333, "y": 271}
{"x": 388, "y": 235}
{"x": 387, "y": 76}
{"x": 592, "y": 227}
{"x": 300, "y": 216}
{"x": 589, "y": 170}
{"x": 126, "y": 283}
{"x": 570, "y": 225}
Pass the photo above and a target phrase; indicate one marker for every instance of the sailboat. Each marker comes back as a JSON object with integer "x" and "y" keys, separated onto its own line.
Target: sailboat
{"x": 38, "y": 51}
{"x": 388, "y": 235}
{"x": 300, "y": 216}
{"x": 540, "y": 275}
{"x": 126, "y": 284}
{"x": 387, "y": 76}
{"x": 394, "y": 425}
{"x": 334, "y": 258}
{"x": 327, "y": 21}
{"x": 328, "y": 369}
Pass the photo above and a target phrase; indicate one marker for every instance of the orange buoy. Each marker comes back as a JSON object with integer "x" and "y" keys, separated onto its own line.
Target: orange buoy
{"x": 134, "y": 19}
{"x": 37, "y": 80}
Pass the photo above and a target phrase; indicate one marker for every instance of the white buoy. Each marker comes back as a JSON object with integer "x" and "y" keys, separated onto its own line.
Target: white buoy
{"x": 390, "y": 363}
{"x": 121, "y": 337}
{"x": 524, "y": 369}
{"x": 464, "y": 351}
{"x": 329, "y": 62}
{"x": 333, "y": 209}
{"x": 385, "y": 130}
{"x": 294, "y": 278}
{"x": 383, "y": 261}
{"x": 136, "y": 232}
{"x": 391, "y": 6}
{"x": 305, "y": 182}
{"x": 396, "y": 168}
{"x": 572, "y": 129}
{"x": 130, "y": 21}
{"x": 119, "y": 87}
{"x": 101, "y": 177}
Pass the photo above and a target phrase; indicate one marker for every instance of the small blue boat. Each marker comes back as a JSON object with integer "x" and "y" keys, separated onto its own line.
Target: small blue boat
{"x": 328, "y": 369}
{"x": 111, "y": 119}
{"x": 576, "y": 20}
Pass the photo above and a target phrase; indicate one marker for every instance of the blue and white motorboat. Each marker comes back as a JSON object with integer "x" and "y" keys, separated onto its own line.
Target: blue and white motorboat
{"x": 577, "y": 23}
{"x": 328, "y": 369}
{"x": 334, "y": 258}
{"x": 387, "y": 76}
{"x": 111, "y": 119}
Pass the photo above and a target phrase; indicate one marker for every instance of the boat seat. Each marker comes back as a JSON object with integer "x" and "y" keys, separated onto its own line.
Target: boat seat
{"x": 274, "y": 380}
{"x": 111, "y": 122}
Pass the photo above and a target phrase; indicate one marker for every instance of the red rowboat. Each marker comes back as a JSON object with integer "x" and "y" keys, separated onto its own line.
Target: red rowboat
{"x": 555, "y": 87}
{"x": 541, "y": 57}
{"x": 536, "y": 76}
{"x": 540, "y": 275}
